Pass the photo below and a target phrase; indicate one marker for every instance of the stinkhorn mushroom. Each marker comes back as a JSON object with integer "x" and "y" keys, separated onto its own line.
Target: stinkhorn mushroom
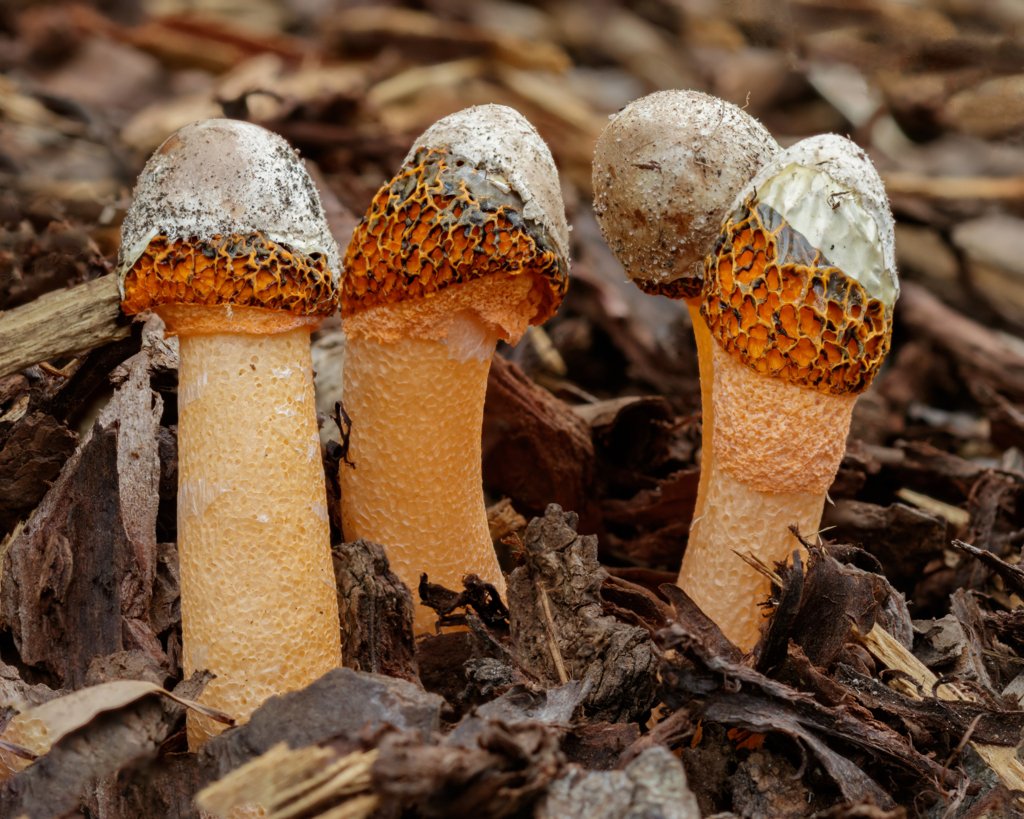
{"x": 798, "y": 297}
{"x": 226, "y": 240}
{"x": 466, "y": 245}
{"x": 666, "y": 170}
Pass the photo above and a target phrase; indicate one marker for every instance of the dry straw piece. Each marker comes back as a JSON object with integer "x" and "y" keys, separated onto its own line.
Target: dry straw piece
{"x": 466, "y": 245}
{"x": 798, "y": 296}
{"x": 226, "y": 240}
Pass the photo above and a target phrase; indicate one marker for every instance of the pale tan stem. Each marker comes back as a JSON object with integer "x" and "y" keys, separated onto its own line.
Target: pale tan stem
{"x": 416, "y": 487}
{"x": 258, "y": 600}
{"x": 776, "y": 448}
{"x": 739, "y": 518}
{"x": 702, "y": 337}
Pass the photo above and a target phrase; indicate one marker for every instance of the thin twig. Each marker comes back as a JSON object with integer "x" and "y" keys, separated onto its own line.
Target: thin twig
{"x": 549, "y": 627}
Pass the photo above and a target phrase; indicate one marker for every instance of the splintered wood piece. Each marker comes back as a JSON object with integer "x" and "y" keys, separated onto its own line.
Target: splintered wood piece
{"x": 287, "y": 782}
{"x": 892, "y": 654}
{"x": 60, "y": 323}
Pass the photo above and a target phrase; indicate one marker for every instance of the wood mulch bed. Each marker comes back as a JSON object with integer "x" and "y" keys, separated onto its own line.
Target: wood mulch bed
{"x": 890, "y": 678}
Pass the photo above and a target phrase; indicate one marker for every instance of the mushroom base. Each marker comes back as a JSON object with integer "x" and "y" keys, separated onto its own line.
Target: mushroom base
{"x": 415, "y": 480}
{"x": 258, "y": 600}
{"x": 737, "y": 518}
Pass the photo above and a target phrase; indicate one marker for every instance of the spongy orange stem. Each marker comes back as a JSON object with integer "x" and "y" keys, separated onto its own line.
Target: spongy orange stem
{"x": 702, "y": 337}
{"x": 258, "y": 601}
{"x": 416, "y": 408}
{"x": 775, "y": 450}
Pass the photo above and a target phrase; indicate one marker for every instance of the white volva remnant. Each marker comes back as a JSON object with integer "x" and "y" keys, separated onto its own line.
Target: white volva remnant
{"x": 192, "y": 389}
{"x": 826, "y": 189}
{"x": 196, "y": 494}
{"x": 470, "y": 338}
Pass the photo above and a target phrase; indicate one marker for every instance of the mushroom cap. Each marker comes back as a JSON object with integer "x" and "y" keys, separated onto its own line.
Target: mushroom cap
{"x": 666, "y": 170}
{"x": 802, "y": 281}
{"x": 477, "y": 195}
{"x": 219, "y": 205}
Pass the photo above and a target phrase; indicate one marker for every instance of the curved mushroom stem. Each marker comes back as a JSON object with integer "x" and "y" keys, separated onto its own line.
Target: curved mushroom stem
{"x": 415, "y": 485}
{"x": 776, "y": 448}
{"x": 258, "y": 600}
{"x": 704, "y": 341}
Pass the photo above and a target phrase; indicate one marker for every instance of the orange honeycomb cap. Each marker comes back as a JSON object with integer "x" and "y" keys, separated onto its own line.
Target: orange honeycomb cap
{"x": 241, "y": 270}
{"x": 477, "y": 196}
{"x": 224, "y": 213}
{"x": 441, "y": 221}
{"x": 667, "y": 168}
{"x": 802, "y": 281}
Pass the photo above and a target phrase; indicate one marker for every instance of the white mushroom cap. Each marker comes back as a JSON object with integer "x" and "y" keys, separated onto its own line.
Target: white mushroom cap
{"x": 223, "y": 176}
{"x": 666, "y": 169}
{"x": 827, "y": 190}
{"x": 502, "y": 142}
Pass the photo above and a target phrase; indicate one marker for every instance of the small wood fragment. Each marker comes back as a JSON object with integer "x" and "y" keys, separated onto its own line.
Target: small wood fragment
{"x": 952, "y": 514}
{"x": 559, "y": 627}
{"x": 61, "y": 323}
{"x": 285, "y": 782}
{"x": 887, "y": 650}
{"x": 504, "y": 521}
{"x": 376, "y": 611}
{"x": 77, "y": 580}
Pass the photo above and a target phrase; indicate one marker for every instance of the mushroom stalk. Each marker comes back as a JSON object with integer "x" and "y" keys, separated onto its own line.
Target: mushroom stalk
{"x": 258, "y": 601}
{"x": 775, "y": 450}
{"x": 466, "y": 244}
{"x": 705, "y": 344}
{"x": 413, "y": 479}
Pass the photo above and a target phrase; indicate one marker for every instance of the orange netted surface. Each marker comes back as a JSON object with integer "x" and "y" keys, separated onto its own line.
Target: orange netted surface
{"x": 246, "y": 271}
{"x": 776, "y": 304}
{"x": 439, "y": 222}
